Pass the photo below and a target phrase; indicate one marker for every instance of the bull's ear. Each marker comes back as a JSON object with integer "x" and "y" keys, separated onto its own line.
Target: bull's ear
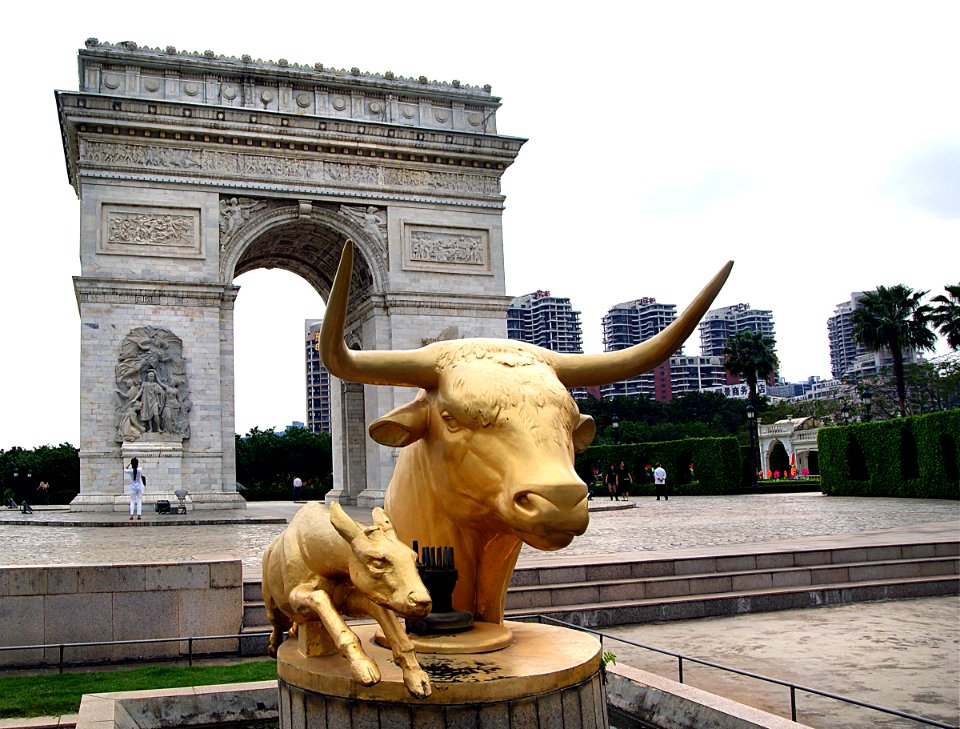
{"x": 381, "y": 519}
{"x": 345, "y": 526}
{"x": 583, "y": 433}
{"x": 402, "y": 426}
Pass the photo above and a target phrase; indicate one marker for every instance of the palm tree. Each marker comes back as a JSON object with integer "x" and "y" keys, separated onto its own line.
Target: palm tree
{"x": 946, "y": 315}
{"x": 894, "y": 319}
{"x": 752, "y": 357}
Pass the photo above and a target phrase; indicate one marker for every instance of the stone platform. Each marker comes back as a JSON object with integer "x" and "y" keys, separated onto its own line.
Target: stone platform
{"x": 549, "y": 675}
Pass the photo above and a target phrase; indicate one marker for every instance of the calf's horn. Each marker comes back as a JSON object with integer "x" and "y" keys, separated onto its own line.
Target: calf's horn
{"x": 409, "y": 368}
{"x": 586, "y": 370}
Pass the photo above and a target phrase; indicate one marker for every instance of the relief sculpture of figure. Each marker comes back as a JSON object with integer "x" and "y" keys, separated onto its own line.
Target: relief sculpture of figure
{"x": 152, "y": 397}
{"x": 372, "y": 220}
{"x": 151, "y": 385}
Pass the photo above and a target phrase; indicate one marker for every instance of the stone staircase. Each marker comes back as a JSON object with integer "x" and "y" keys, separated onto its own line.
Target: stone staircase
{"x": 641, "y": 588}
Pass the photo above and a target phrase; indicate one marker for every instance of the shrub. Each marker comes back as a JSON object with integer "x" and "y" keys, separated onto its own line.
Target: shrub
{"x": 908, "y": 457}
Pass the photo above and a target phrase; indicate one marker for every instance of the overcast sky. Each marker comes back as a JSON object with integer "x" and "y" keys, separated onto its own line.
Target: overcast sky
{"x": 817, "y": 144}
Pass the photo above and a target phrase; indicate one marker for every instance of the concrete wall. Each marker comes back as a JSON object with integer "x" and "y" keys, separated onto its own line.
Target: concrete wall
{"x": 76, "y": 604}
{"x": 666, "y": 704}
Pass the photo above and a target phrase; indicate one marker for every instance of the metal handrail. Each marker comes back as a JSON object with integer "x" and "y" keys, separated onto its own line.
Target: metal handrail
{"x": 794, "y": 687}
{"x": 788, "y": 684}
{"x": 190, "y": 639}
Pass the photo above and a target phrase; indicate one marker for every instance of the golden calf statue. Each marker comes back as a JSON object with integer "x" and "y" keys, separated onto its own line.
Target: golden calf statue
{"x": 323, "y": 565}
{"x": 489, "y": 441}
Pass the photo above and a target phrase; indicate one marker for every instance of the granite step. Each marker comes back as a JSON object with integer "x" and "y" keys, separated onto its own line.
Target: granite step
{"x": 686, "y": 607}
{"x": 623, "y": 589}
{"x": 533, "y": 597}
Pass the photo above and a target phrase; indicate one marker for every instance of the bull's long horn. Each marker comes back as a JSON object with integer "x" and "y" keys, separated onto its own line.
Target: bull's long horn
{"x": 411, "y": 368}
{"x": 586, "y": 370}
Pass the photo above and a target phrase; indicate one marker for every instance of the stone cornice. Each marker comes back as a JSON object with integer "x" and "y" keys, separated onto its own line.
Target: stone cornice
{"x": 90, "y": 289}
{"x": 240, "y": 132}
{"x": 169, "y": 58}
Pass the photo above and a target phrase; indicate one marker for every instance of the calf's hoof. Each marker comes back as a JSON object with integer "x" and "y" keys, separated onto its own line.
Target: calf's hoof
{"x": 417, "y": 683}
{"x": 365, "y": 671}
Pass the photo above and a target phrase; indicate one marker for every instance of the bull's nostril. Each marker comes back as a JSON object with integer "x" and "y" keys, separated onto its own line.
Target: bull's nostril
{"x": 524, "y": 503}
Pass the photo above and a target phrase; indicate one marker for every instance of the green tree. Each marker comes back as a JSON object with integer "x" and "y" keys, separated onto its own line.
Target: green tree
{"x": 894, "y": 319}
{"x": 946, "y": 315}
{"x": 267, "y": 463}
{"x": 752, "y": 357}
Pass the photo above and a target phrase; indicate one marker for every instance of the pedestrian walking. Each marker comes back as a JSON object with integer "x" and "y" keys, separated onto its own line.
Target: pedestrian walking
{"x": 297, "y": 485}
{"x": 136, "y": 482}
{"x": 612, "y": 482}
{"x": 660, "y": 481}
{"x": 623, "y": 482}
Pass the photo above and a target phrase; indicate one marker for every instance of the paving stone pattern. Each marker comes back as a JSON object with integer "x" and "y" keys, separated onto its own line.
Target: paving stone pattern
{"x": 680, "y": 523}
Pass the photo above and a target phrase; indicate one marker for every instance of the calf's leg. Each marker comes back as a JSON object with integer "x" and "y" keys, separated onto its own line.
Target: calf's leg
{"x": 414, "y": 677}
{"x": 313, "y": 603}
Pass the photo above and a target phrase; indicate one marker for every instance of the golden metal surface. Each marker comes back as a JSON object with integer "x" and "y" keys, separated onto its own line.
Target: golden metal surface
{"x": 325, "y": 565}
{"x": 543, "y": 658}
{"x": 488, "y": 443}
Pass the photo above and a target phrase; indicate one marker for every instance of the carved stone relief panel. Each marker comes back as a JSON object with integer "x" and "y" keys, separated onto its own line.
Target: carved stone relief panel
{"x": 373, "y": 220}
{"x": 151, "y": 385}
{"x": 136, "y": 230}
{"x": 446, "y": 250}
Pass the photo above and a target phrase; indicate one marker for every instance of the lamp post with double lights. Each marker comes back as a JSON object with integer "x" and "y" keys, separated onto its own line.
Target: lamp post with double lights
{"x": 752, "y": 427}
{"x": 867, "y": 398}
{"x": 844, "y": 415}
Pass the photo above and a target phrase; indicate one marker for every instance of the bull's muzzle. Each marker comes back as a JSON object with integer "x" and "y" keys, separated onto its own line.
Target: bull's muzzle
{"x": 549, "y": 516}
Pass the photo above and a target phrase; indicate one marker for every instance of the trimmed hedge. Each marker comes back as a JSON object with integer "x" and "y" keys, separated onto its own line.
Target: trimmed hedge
{"x": 716, "y": 464}
{"x": 915, "y": 457}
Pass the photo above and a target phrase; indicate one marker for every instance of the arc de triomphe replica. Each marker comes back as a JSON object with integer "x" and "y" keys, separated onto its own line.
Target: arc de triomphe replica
{"x": 194, "y": 168}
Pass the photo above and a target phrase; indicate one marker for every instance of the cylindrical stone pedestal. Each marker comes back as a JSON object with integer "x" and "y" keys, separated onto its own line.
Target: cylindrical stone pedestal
{"x": 549, "y": 677}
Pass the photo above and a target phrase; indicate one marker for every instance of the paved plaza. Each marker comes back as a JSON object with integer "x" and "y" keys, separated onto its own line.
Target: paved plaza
{"x": 902, "y": 654}
{"x": 680, "y": 525}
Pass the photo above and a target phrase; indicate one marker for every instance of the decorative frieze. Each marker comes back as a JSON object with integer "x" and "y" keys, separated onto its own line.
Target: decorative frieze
{"x": 447, "y": 250}
{"x": 150, "y": 231}
{"x": 271, "y": 168}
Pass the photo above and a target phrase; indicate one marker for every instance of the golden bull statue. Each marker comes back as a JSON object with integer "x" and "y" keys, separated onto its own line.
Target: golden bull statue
{"x": 489, "y": 441}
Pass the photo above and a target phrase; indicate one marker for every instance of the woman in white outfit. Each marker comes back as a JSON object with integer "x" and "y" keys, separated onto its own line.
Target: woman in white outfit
{"x": 135, "y": 474}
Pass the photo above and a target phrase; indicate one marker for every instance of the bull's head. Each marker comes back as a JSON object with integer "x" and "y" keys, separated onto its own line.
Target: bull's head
{"x": 382, "y": 567}
{"x": 496, "y": 415}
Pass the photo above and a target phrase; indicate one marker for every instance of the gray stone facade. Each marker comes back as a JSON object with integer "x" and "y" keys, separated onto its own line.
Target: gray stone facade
{"x": 193, "y": 169}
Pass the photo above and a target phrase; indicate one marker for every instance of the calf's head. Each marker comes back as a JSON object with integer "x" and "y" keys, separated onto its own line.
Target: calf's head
{"x": 381, "y": 566}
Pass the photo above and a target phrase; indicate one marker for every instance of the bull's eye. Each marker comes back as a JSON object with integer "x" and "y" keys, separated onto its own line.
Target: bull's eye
{"x": 451, "y": 422}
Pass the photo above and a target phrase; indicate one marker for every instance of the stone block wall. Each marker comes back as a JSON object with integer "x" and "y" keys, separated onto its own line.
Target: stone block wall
{"x": 92, "y": 603}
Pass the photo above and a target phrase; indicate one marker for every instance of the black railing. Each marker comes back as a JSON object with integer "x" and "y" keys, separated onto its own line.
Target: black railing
{"x": 190, "y": 641}
{"x": 793, "y": 687}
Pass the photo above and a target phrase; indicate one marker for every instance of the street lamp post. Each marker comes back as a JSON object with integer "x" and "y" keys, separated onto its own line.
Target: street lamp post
{"x": 867, "y": 398}
{"x": 844, "y": 414}
{"x": 752, "y": 427}
{"x": 615, "y": 424}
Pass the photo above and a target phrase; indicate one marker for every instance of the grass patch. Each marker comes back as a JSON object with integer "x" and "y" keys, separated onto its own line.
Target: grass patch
{"x": 56, "y": 694}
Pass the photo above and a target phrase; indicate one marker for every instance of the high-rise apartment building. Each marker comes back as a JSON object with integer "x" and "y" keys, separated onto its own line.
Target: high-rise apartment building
{"x": 632, "y": 322}
{"x": 844, "y": 349}
{"x": 547, "y": 321}
{"x": 718, "y": 325}
{"x": 849, "y": 358}
{"x": 318, "y": 381}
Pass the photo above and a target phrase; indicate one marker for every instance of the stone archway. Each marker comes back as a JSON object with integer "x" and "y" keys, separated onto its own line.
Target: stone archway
{"x": 192, "y": 169}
